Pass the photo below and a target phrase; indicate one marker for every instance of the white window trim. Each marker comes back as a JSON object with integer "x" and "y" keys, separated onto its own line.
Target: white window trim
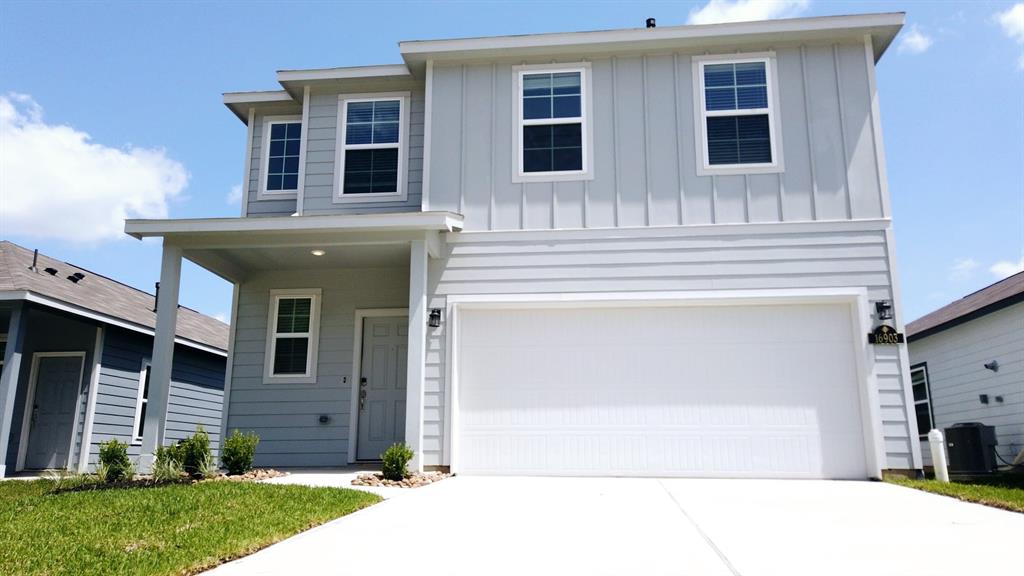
{"x": 700, "y": 115}
{"x": 927, "y": 394}
{"x": 268, "y": 122}
{"x": 314, "y": 337}
{"x": 586, "y": 105}
{"x": 139, "y": 401}
{"x": 399, "y": 195}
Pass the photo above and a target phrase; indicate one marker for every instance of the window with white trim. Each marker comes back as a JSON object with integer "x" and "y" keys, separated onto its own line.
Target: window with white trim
{"x": 371, "y": 150}
{"x": 737, "y": 114}
{"x": 292, "y": 335}
{"x": 141, "y": 402}
{"x": 552, "y": 123}
{"x": 282, "y": 137}
{"x": 922, "y": 399}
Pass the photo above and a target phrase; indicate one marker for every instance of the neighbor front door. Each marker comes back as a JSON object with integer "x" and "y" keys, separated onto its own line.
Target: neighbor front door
{"x": 51, "y": 415}
{"x": 382, "y": 385}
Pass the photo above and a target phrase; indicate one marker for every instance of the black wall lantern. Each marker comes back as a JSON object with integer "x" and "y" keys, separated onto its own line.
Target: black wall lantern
{"x": 883, "y": 309}
{"x": 435, "y": 318}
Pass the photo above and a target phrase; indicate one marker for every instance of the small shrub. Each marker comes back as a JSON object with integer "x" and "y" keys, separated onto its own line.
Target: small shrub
{"x": 238, "y": 452}
{"x": 114, "y": 464}
{"x": 64, "y": 480}
{"x": 195, "y": 453}
{"x": 394, "y": 461}
{"x": 167, "y": 466}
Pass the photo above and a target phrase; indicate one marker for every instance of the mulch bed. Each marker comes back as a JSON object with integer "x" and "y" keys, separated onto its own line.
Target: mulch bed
{"x": 413, "y": 481}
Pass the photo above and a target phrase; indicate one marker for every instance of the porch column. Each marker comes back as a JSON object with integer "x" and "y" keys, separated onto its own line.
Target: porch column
{"x": 417, "y": 351}
{"x": 163, "y": 354}
{"x": 9, "y": 378}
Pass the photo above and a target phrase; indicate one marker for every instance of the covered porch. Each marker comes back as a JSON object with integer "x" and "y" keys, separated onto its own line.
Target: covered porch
{"x": 329, "y": 324}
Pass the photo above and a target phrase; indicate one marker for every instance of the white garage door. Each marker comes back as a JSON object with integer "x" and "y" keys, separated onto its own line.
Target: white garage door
{"x": 717, "y": 391}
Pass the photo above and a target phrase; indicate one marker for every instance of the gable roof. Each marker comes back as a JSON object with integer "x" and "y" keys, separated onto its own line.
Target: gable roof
{"x": 102, "y": 296}
{"x": 995, "y": 297}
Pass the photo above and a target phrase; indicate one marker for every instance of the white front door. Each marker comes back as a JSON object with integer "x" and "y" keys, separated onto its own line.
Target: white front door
{"x": 715, "y": 391}
{"x": 382, "y": 385}
{"x": 51, "y": 415}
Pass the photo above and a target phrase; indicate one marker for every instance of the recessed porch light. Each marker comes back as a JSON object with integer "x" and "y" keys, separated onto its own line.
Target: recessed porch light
{"x": 317, "y": 252}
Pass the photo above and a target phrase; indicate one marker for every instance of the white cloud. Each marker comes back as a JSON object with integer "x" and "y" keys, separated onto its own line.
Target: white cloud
{"x": 1012, "y": 23}
{"x": 913, "y": 41}
{"x": 235, "y": 195}
{"x": 221, "y": 316}
{"x": 55, "y": 182}
{"x": 962, "y": 268}
{"x": 1007, "y": 268}
{"x": 746, "y": 10}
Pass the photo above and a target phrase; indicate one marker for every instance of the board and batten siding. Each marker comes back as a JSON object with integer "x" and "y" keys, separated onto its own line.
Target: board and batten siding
{"x": 196, "y": 394}
{"x": 665, "y": 259}
{"x": 957, "y": 376}
{"x": 286, "y": 416}
{"x": 644, "y": 171}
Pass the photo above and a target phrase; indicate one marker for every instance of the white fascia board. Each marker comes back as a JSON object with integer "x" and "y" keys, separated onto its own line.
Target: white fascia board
{"x": 83, "y": 312}
{"x": 886, "y": 25}
{"x": 344, "y": 73}
{"x": 445, "y": 221}
{"x": 241, "y": 102}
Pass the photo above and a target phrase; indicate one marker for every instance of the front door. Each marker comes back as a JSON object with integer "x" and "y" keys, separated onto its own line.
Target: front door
{"x": 382, "y": 385}
{"x": 51, "y": 415}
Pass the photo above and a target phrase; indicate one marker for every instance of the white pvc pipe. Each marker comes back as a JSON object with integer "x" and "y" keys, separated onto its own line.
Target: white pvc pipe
{"x": 938, "y": 446}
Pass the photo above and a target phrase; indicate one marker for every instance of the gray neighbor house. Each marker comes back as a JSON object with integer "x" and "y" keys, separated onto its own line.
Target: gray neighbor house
{"x": 643, "y": 252}
{"x": 76, "y": 351}
{"x": 967, "y": 365}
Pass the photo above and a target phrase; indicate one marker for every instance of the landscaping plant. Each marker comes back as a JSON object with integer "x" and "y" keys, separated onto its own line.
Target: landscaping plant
{"x": 114, "y": 465}
{"x": 196, "y": 456}
{"x": 167, "y": 466}
{"x": 238, "y": 452}
{"x": 394, "y": 461}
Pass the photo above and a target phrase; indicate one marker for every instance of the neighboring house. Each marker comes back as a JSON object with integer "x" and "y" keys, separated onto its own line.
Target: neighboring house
{"x": 631, "y": 252}
{"x": 967, "y": 365}
{"x": 76, "y": 350}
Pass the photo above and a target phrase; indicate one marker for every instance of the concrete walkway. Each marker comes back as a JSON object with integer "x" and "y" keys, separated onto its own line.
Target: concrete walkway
{"x": 618, "y": 526}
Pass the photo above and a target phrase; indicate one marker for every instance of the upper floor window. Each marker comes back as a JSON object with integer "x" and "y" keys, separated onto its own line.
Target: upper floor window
{"x": 554, "y": 140}
{"x": 737, "y": 115}
{"x": 371, "y": 150}
{"x": 282, "y": 136}
{"x": 922, "y": 400}
{"x": 292, "y": 336}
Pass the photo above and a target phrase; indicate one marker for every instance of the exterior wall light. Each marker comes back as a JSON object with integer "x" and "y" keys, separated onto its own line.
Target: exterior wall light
{"x": 435, "y": 318}
{"x": 317, "y": 252}
{"x": 883, "y": 309}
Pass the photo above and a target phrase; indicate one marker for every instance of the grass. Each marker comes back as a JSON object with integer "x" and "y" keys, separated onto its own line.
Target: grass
{"x": 168, "y": 529}
{"x": 1004, "y": 491}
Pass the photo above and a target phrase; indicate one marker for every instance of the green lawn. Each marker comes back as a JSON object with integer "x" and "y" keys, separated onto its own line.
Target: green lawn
{"x": 170, "y": 529}
{"x": 1001, "y": 491}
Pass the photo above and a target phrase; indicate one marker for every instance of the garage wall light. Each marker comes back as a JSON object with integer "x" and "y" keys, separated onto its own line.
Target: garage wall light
{"x": 883, "y": 309}
{"x": 435, "y": 318}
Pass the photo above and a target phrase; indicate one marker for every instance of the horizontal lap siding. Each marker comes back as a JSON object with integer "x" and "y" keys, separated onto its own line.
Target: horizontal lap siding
{"x": 286, "y": 416}
{"x": 645, "y": 170}
{"x": 656, "y": 261}
{"x": 322, "y": 147}
{"x": 196, "y": 394}
{"x": 957, "y": 375}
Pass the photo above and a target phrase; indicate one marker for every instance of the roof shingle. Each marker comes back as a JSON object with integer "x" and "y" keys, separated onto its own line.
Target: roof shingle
{"x": 988, "y": 297}
{"x": 99, "y": 294}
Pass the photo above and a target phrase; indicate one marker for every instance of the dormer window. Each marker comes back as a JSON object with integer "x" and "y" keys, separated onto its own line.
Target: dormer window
{"x": 282, "y": 137}
{"x": 554, "y": 136}
{"x": 370, "y": 163}
{"x": 736, "y": 102}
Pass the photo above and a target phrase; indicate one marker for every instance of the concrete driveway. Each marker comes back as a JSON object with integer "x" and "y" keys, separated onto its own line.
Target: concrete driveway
{"x": 621, "y": 526}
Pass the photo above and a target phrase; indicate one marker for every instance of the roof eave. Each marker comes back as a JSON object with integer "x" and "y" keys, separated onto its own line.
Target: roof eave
{"x": 240, "y": 102}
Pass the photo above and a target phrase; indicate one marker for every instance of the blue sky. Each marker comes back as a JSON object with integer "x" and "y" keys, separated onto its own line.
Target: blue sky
{"x": 143, "y": 81}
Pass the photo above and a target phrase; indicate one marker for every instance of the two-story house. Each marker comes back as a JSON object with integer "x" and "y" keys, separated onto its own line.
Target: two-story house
{"x": 653, "y": 251}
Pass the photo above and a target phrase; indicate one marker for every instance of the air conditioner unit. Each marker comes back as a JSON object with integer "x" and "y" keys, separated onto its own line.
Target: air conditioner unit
{"x": 971, "y": 447}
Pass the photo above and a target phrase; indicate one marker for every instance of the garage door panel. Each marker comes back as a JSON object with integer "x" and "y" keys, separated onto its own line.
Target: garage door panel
{"x": 698, "y": 391}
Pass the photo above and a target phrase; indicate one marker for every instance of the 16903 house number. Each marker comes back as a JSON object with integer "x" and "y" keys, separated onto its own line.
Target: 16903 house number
{"x": 885, "y": 335}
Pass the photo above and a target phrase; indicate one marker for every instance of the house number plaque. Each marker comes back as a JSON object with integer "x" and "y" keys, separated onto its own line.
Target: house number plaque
{"x": 885, "y": 334}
